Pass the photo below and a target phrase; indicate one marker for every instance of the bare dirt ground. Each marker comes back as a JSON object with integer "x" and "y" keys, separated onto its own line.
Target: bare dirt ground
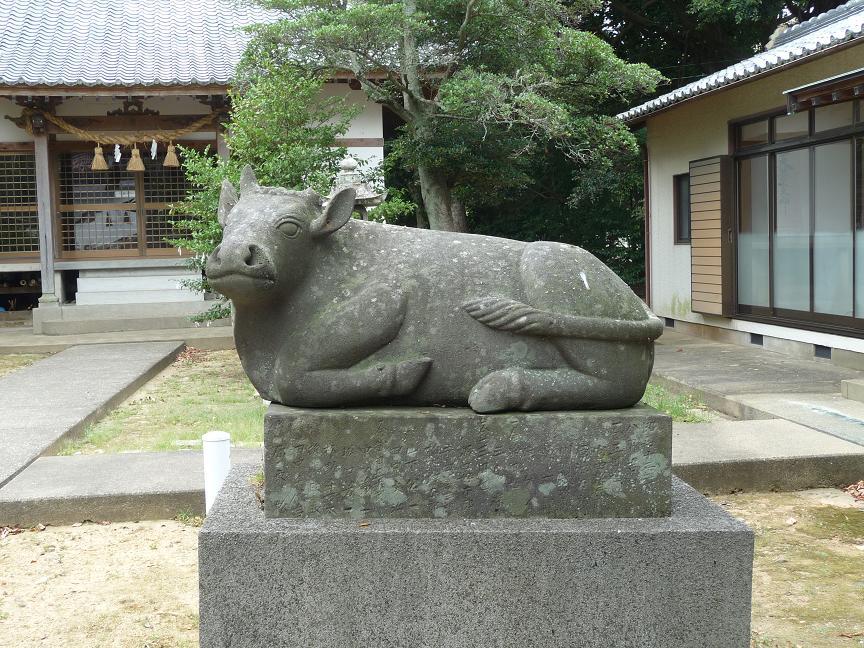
{"x": 808, "y": 572}
{"x": 135, "y": 584}
{"x": 113, "y": 586}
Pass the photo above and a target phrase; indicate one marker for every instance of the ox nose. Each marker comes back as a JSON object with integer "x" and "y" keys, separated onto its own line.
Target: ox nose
{"x": 252, "y": 256}
{"x": 245, "y": 257}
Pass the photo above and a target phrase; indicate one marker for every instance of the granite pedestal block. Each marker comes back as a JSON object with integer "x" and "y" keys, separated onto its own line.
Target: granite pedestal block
{"x": 676, "y": 582}
{"x": 453, "y": 462}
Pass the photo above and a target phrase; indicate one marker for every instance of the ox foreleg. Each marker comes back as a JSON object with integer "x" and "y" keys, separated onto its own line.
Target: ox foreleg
{"x": 329, "y": 387}
{"x": 333, "y": 367}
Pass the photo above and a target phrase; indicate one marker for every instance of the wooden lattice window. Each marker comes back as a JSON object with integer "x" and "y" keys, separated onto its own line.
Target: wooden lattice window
{"x": 19, "y": 223}
{"x": 163, "y": 186}
{"x": 117, "y": 212}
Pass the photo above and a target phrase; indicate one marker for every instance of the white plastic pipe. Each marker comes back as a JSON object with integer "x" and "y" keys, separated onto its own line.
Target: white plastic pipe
{"x": 217, "y": 463}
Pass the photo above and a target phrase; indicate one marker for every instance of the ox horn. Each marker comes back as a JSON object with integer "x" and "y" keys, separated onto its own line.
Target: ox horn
{"x": 248, "y": 181}
{"x": 227, "y": 199}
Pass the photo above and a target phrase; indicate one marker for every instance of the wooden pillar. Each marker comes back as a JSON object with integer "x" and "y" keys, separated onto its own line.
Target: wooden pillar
{"x": 45, "y": 209}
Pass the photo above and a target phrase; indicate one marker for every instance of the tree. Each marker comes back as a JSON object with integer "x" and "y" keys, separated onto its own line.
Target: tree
{"x": 605, "y": 218}
{"x": 482, "y": 86}
{"x": 688, "y": 39}
{"x": 282, "y": 126}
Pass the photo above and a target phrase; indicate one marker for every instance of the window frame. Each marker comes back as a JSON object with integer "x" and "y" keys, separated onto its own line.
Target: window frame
{"x": 676, "y": 209}
{"x": 821, "y": 322}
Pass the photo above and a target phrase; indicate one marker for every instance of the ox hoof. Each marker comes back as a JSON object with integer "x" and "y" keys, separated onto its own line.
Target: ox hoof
{"x": 409, "y": 374}
{"x": 497, "y": 392}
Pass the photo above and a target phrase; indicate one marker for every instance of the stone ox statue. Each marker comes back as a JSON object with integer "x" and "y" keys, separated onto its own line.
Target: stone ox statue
{"x": 333, "y": 311}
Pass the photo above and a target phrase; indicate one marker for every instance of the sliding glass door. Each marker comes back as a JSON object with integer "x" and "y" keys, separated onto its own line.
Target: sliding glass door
{"x": 859, "y": 228}
{"x": 791, "y": 246}
{"x": 754, "y": 238}
{"x": 800, "y": 246}
{"x": 832, "y": 229}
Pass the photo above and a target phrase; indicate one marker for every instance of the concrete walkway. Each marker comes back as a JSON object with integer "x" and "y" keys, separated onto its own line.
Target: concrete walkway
{"x": 116, "y": 487}
{"x": 718, "y": 371}
{"x": 60, "y": 395}
{"x": 743, "y": 382}
{"x": 20, "y": 339}
{"x": 796, "y": 430}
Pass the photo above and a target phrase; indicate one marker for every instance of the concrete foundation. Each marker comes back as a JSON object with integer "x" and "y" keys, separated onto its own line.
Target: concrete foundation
{"x": 452, "y": 462}
{"x": 78, "y": 319}
{"x": 676, "y": 582}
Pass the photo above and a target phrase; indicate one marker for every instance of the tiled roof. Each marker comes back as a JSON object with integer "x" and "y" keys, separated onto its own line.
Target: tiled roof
{"x": 830, "y": 29}
{"x": 122, "y": 43}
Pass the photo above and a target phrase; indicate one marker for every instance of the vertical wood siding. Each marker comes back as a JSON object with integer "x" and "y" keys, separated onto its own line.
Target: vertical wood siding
{"x": 712, "y": 225}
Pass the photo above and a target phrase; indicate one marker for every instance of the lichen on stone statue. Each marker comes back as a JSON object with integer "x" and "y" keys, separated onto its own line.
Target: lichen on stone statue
{"x": 333, "y": 311}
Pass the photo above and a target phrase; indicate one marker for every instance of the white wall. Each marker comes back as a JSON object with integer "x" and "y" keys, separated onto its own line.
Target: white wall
{"x": 697, "y": 129}
{"x": 9, "y": 132}
{"x": 368, "y": 124}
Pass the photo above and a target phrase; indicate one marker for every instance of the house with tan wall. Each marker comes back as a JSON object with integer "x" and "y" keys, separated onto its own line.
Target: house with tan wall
{"x": 755, "y": 195}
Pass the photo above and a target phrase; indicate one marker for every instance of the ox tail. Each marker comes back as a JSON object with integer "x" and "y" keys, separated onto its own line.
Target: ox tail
{"x": 521, "y": 319}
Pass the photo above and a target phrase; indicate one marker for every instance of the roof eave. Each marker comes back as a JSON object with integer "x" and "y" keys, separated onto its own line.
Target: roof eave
{"x": 111, "y": 90}
{"x": 638, "y": 119}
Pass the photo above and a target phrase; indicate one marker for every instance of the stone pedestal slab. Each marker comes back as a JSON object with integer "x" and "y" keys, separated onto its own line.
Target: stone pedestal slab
{"x": 676, "y": 582}
{"x": 452, "y": 462}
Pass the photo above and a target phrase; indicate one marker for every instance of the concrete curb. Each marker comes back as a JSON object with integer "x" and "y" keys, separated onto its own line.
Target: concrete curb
{"x": 21, "y": 340}
{"x": 780, "y": 474}
{"x": 715, "y": 400}
{"x": 117, "y": 507}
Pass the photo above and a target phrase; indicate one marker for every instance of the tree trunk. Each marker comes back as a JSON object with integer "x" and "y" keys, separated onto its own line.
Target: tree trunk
{"x": 460, "y": 219}
{"x": 443, "y": 211}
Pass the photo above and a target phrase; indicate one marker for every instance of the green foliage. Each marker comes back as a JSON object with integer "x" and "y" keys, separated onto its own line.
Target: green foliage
{"x": 599, "y": 212}
{"x": 484, "y": 87}
{"x": 755, "y": 11}
{"x": 282, "y": 126}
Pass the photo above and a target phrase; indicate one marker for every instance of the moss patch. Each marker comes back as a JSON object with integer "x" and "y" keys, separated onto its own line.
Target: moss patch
{"x": 201, "y": 391}
{"x": 808, "y": 574}
{"x": 682, "y": 408}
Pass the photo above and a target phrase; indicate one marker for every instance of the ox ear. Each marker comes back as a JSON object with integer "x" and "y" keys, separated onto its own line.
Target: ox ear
{"x": 227, "y": 200}
{"x": 336, "y": 213}
{"x": 248, "y": 181}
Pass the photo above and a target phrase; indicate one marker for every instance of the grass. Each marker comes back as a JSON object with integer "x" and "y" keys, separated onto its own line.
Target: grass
{"x": 201, "y": 391}
{"x": 682, "y": 408}
{"x": 14, "y": 361}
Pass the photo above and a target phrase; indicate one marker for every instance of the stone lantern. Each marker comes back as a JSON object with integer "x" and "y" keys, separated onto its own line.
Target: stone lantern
{"x": 349, "y": 176}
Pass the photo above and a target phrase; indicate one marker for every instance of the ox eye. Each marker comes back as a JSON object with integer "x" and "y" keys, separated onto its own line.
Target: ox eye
{"x": 289, "y": 228}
